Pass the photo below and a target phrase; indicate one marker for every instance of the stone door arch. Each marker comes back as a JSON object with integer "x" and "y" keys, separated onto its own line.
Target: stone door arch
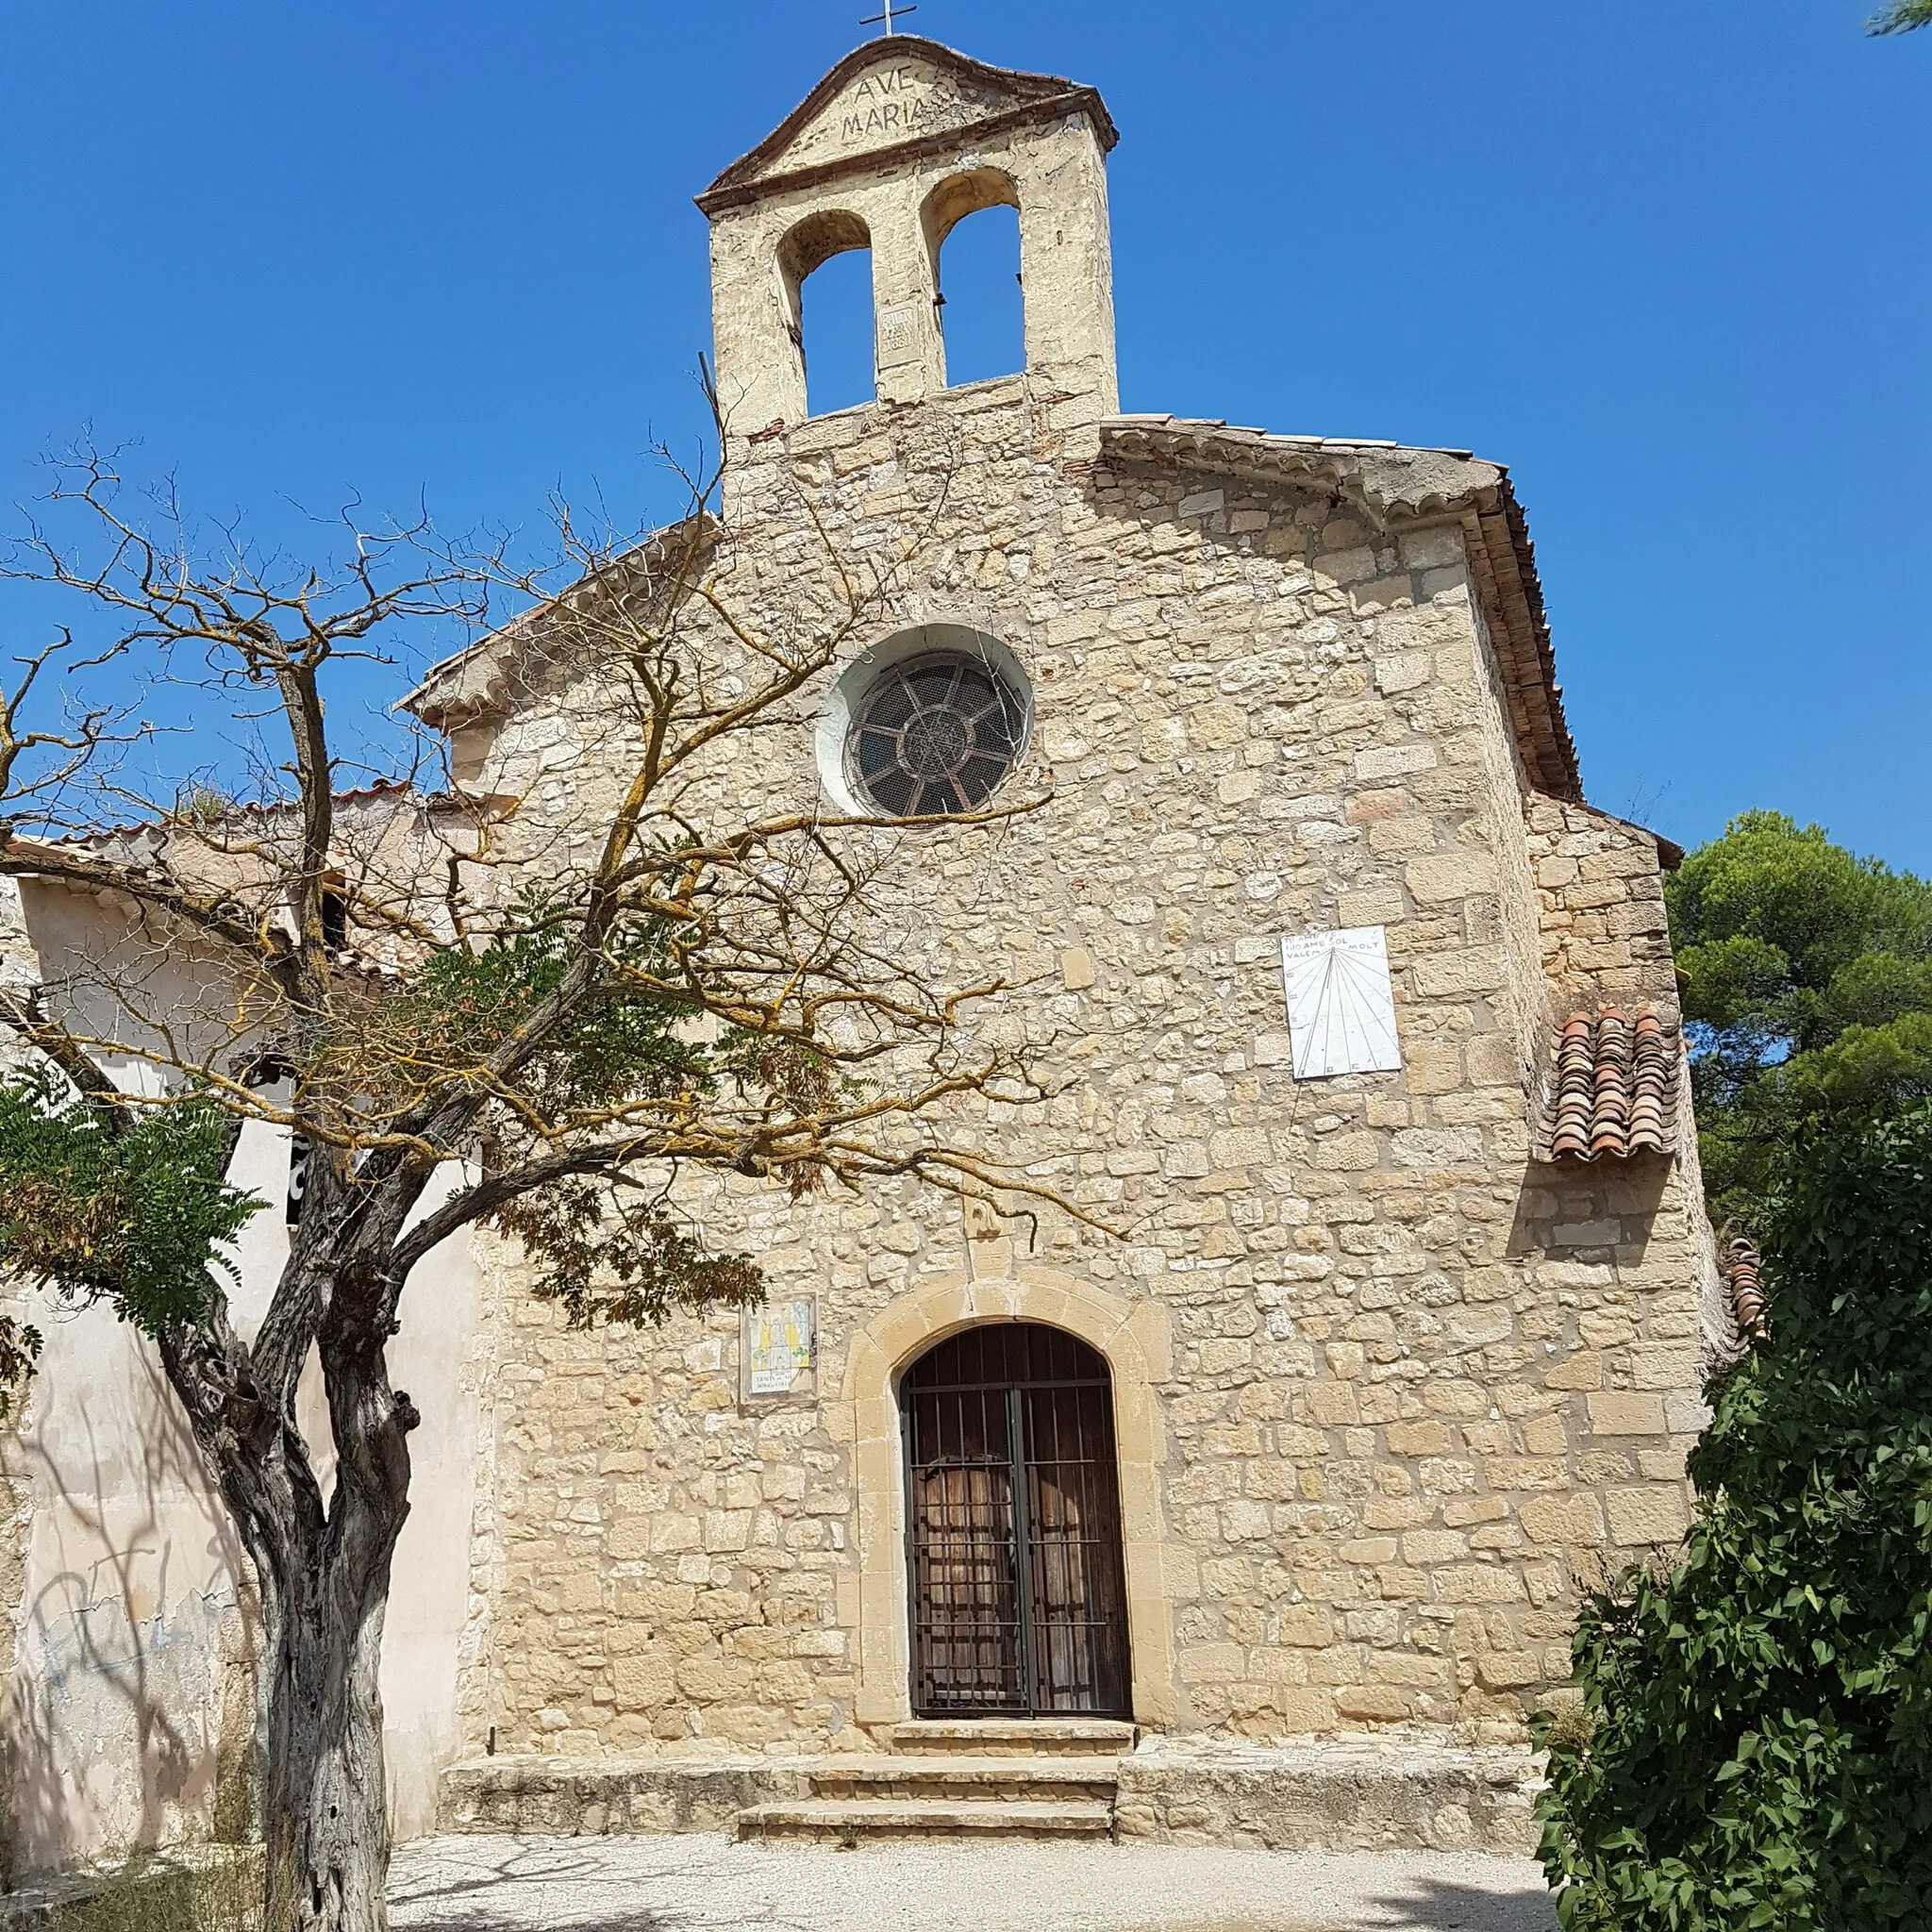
{"x": 1133, "y": 1339}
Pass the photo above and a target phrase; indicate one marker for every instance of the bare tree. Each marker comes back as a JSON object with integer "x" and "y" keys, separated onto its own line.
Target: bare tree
{"x": 553, "y": 1018}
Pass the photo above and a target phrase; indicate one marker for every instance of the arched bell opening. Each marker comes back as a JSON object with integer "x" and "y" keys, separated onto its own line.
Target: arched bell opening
{"x": 1016, "y": 1576}
{"x": 836, "y": 348}
{"x": 977, "y": 278}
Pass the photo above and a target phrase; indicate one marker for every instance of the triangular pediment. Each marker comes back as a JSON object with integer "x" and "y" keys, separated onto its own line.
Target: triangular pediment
{"x": 891, "y": 93}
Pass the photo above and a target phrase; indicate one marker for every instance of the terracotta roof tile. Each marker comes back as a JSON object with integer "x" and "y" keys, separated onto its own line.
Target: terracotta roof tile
{"x": 1746, "y": 1286}
{"x": 1615, "y": 1088}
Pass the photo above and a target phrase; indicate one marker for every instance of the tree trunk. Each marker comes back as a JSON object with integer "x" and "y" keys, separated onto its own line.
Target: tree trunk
{"x": 323, "y": 1574}
{"x": 325, "y": 1792}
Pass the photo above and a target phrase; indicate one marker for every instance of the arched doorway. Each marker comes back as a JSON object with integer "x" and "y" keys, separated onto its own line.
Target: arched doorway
{"x": 1018, "y": 1596}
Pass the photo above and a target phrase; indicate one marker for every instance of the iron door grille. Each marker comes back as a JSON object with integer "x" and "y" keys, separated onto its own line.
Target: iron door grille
{"x": 1018, "y": 1587}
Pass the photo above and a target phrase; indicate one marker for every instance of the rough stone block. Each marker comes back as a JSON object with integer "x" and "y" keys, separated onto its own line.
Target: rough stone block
{"x": 1306, "y": 1626}
{"x": 1584, "y": 1369}
{"x": 1443, "y": 976}
{"x": 1587, "y": 1234}
{"x": 1508, "y": 1670}
{"x": 1447, "y": 875}
{"x": 1347, "y": 1153}
{"x": 1396, "y": 760}
{"x": 1418, "y": 1438}
{"x": 1437, "y": 1147}
{"x": 1348, "y": 566}
{"x": 1372, "y": 906}
{"x": 1333, "y": 1404}
{"x": 1656, "y": 1514}
{"x": 1626, "y": 1413}
{"x": 646, "y": 1679}
{"x": 1558, "y": 1522}
{"x": 1371, "y": 1703}
{"x": 1463, "y": 1510}
{"x": 1391, "y": 838}
{"x": 1405, "y": 671}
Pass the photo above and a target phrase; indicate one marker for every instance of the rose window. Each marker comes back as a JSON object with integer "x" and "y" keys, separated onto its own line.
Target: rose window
{"x": 935, "y": 733}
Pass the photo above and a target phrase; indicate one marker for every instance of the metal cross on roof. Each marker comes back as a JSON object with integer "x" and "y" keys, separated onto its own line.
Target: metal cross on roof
{"x": 887, "y": 16}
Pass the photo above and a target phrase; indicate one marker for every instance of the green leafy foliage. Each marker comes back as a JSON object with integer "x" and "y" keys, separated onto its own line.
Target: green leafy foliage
{"x": 20, "y": 1349}
{"x": 608, "y": 1248}
{"x": 135, "y": 1219}
{"x": 1808, "y": 991}
{"x": 604, "y": 1258}
{"x": 635, "y": 1037}
{"x": 1901, "y": 17}
{"x": 1755, "y": 1749}
{"x": 625, "y": 1044}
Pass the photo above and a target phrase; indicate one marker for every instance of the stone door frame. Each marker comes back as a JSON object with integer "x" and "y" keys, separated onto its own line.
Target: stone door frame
{"x": 1133, "y": 1338}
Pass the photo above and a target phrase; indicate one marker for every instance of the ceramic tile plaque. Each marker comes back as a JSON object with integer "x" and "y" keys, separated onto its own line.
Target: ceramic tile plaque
{"x": 778, "y": 1346}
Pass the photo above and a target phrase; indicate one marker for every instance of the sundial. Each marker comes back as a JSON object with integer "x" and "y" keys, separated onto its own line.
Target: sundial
{"x": 1340, "y": 1004}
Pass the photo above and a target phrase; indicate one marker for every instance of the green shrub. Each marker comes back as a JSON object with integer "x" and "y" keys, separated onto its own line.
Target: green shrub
{"x": 1758, "y": 1753}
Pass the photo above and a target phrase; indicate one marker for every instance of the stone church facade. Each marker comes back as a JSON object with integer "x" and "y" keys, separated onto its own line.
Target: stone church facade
{"x": 1383, "y": 1362}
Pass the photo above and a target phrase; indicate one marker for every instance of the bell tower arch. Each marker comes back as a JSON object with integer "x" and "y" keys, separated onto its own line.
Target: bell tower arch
{"x": 899, "y": 142}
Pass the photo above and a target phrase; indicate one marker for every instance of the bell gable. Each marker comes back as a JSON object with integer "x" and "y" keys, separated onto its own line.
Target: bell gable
{"x": 893, "y": 93}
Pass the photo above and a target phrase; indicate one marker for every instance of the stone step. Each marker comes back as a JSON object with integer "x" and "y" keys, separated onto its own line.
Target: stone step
{"x": 848, "y": 1821}
{"x": 1332, "y": 1794}
{"x": 1049, "y": 1736}
{"x": 971, "y": 1780}
{"x": 567, "y": 1796}
{"x": 1327, "y": 1794}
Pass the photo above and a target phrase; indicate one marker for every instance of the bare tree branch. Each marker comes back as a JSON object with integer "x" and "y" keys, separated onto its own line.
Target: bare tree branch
{"x": 601, "y": 1003}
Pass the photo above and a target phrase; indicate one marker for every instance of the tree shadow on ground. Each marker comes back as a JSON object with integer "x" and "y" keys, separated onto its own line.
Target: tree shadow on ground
{"x": 520, "y": 1887}
{"x": 444, "y": 1900}
{"x": 1436, "y": 1905}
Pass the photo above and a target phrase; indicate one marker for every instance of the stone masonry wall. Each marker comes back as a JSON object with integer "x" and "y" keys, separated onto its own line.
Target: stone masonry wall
{"x": 1605, "y": 938}
{"x": 1606, "y": 942}
{"x": 1419, "y": 1387}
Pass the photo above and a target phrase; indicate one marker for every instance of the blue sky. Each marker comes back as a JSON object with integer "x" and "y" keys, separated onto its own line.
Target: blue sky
{"x": 1673, "y": 265}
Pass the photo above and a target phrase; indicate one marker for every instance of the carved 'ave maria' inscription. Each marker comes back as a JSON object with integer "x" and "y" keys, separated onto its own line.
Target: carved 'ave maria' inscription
{"x": 891, "y": 101}
{"x": 885, "y": 105}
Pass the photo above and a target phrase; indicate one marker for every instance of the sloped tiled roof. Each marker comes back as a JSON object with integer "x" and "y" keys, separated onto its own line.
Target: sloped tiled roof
{"x": 482, "y": 676}
{"x": 1615, "y": 1088}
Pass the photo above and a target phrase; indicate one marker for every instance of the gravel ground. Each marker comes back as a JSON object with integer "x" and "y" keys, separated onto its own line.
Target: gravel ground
{"x": 671, "y": 1884}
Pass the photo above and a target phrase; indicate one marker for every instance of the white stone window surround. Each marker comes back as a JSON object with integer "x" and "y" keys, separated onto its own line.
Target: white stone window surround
{"x": 849, "y": 690}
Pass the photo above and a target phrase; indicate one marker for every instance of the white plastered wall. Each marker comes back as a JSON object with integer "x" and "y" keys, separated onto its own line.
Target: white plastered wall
{"x": 134, "y": 1647}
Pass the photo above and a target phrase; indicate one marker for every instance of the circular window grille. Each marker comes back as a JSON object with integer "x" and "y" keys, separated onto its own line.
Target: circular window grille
{"x": 935, "y": 733}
